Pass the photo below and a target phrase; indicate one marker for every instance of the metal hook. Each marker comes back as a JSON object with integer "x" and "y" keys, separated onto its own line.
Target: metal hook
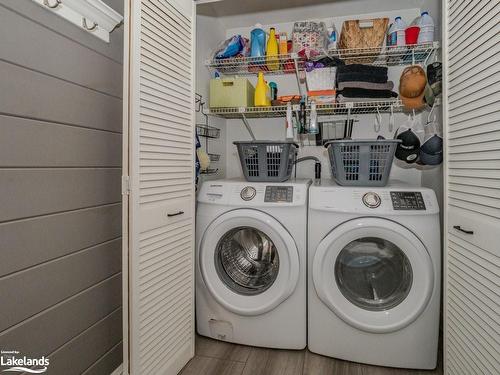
{"x": 378, "y": 121}
{"x": 54, "y": 6}
{"x": 391, "y": 119}
{"x": 85, "y": 25}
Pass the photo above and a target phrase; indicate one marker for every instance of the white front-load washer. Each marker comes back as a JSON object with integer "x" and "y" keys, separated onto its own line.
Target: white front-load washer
{"x": 374, "y": 274}
{"x": 251, "y": 262}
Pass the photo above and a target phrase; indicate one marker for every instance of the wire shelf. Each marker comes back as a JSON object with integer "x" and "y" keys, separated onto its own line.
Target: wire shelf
{"x": 214, "y": 157}
{"x": 207, "y": 131}
{"x": 209, "y": 171}
{"x": 388, "y": 56}
{"x": 336, "y": 109}
{"x": 281, "y": 64}
{"x": 290, "y": 63}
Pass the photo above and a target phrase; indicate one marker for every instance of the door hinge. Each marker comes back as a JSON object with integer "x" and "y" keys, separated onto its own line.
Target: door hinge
{"x": 125, "y": 185}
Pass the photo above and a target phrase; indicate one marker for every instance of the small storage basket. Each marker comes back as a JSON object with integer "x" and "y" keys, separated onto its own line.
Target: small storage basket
{"x": 361, "y": 162}
{"x": 321, "y": 79}
{"x": 270, "y": 161}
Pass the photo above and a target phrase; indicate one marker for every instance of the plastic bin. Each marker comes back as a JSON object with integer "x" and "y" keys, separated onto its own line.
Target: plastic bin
{"x": 362, "y": 162}
{"x": 320, "y": 79}
{"x": 231, "y": 92}
{"x": 267, "y": 161}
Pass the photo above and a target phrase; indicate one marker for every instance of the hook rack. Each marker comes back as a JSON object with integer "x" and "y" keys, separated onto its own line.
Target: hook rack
{"x": 53, "y": 6}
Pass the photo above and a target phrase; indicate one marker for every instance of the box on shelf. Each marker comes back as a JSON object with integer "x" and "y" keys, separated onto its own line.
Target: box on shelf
{"x": 322, "y": 96}
{"x": 231, "y": 92}
{"x": 321, "y": 79}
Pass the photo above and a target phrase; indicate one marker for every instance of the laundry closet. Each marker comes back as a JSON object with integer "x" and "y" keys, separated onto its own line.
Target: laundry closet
{"x": 269, "y": 251}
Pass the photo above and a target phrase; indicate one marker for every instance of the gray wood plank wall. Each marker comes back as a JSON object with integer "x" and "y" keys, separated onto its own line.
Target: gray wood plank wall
{"x": 60, "y": 210}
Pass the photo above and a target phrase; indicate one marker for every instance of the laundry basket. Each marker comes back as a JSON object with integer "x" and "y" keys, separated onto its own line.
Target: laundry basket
{"x": 361, "y": 162}
{"x": 267, "y": 161}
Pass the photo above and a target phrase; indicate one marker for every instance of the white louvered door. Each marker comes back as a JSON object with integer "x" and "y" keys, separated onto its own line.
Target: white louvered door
{"x": 472, "y": 254}
{"x": 159, "y": 157}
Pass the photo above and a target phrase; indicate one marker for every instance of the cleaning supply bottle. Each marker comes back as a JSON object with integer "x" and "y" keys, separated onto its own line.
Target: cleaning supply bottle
{"x": 272, "y": 51}
{"x": 426, "y": 24}
{"x": 262, "y": 92}
{"x": 283, "y": 44}
{"x": 257, "y": 42}
{"x": 396, "y": 34}
{"x": 289, "y": 123}
{"x": 313, "y": 120}
{"x": 332, "y": 38}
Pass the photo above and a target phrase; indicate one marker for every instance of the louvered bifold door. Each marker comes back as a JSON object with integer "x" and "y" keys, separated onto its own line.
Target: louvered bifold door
{"x": 159, "y": 325}
{"x": 472, "y": 266}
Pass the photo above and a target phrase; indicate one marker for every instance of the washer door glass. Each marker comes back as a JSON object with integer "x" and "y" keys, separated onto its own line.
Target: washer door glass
{"x": 373, "y": 273}
{"x": 246, "y": 260}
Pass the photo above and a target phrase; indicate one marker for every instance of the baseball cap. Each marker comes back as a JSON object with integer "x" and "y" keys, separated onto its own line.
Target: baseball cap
{"x": 412, "y": 87}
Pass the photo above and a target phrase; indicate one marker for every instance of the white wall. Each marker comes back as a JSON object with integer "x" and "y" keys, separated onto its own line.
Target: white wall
{"x": 209, "y": 33}
{"x": 239, "y": 17}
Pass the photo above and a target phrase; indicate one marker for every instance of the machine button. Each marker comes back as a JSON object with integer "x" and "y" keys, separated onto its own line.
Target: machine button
{"x": 372, "y": 200}
{"x": 248, "y": 193}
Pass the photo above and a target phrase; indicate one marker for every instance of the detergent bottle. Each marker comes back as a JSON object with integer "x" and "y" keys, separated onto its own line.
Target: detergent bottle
{"x": 262, "y": 92}
{"x": 257, "y": 42}
{"x": 272, "y": 51}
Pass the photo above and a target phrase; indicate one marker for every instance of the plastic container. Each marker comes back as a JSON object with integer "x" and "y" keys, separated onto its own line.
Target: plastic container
{"x": 231, "y": 92}
{"x": 426, "y": 24}
{"x": 396, "y": 33}
{"x": 272, "y": 51}
{"x": 257, "y": 43}
{"x": 411, "y": 34}
{"x": 267, "y": 161}
{"x": 262, "y": 96}
{"x": 283, "y": 44}
{"x": 321, "y": 79}
{"x": 361, "y": 162}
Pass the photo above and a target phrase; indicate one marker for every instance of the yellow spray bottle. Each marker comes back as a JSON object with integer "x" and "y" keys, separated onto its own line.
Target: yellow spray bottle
{"x": 272, "y": 51}
{"x": 262, "y": 92}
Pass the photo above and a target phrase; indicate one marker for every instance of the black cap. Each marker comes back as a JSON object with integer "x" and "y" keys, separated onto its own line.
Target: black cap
{"x": 408, "y": 150}
{"x": 431, "y": 152}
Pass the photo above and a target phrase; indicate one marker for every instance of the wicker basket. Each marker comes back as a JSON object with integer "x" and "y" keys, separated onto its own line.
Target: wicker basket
{"x": 362, "y": 34}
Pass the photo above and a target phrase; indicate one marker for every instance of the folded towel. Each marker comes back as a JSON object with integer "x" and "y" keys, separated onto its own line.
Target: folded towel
{"x": 360, "y": 68}
{"x": 366, "y": 93}
{"x": 363, "y": 77}
{"x": 342, "y": 99}
{"x": 366, "y": 85}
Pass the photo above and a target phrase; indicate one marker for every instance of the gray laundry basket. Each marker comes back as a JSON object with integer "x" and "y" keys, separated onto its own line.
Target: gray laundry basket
{"x": 362, "y": 162}
{"x": 267, "y": 161}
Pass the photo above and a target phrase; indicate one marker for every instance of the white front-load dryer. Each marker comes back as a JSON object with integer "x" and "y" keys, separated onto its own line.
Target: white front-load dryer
{"x": 251, "y": 262}
{"x": 374, "y": 274}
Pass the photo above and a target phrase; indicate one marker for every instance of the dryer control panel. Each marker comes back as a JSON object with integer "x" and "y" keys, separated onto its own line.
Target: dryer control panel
{"x": 407, "y": 200}
{"x": 278, "y": 194}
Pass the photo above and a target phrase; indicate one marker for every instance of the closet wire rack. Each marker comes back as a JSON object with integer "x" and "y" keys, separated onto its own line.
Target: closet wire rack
{"x": 336, "y": 109}
{"x": 293, "y": 63}
{"x": 207, "y": 131}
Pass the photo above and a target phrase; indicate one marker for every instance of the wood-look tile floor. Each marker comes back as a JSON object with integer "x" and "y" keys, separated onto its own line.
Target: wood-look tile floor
{"x": 221, "y": 358}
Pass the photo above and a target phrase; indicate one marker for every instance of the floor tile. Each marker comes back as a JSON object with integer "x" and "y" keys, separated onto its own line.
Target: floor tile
{"x": 274, "y": 362}
{"x": 212, "y": 366}
{"x": 223, "y": 350}
{"x": 315, "y": 364}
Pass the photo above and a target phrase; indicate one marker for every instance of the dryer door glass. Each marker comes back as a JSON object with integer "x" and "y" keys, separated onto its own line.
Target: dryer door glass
{"x": 373, "y": 273}
{"x": 246, "y": 260}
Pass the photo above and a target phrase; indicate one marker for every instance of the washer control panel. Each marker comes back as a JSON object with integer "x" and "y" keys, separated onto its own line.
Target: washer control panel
{"x": 372, "y": 200}
{"x": 407, "y": 200}
{"x": 248, "y": 193}
{"x": 277, "y": 194}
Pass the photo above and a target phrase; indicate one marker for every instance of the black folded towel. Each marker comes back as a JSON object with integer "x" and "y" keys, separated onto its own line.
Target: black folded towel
{"x": 360, "y": 68}
{"x": 366, "y": 93}
{"x": 363, "y": 77}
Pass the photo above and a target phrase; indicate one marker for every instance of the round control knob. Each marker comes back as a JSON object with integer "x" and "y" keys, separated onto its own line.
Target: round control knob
{"x": 371, "y": 200}
{"x": 248, "y": 193}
